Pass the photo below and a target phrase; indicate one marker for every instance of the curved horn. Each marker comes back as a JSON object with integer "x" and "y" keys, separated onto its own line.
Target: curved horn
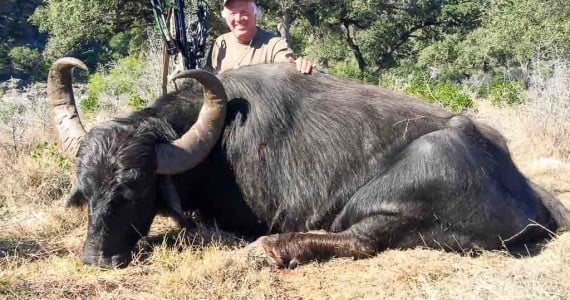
{"x": 195, "y": 145}
{"x": 64, "y": 119}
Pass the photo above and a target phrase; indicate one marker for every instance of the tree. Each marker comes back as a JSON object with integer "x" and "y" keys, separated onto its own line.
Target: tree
{"x": 16, "y": 32}
{"x": 84, "y": 27}
{"x": 512, "y": 34}
{"x": 377, "y": 33}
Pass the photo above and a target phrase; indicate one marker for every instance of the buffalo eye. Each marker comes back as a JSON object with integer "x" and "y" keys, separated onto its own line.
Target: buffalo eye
{"x": 130, "y": 177}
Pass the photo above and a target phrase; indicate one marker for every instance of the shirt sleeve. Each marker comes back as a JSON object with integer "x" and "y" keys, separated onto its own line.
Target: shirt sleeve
{"x": 281, "y": 51}
{"x": 213, "y": 59}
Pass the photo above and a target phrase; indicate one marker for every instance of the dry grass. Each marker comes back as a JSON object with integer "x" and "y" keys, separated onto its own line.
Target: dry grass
{"x": 40, "y": 241}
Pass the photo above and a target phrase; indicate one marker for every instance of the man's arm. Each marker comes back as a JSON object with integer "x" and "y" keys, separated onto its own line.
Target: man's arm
{"x": 282, "y": 53}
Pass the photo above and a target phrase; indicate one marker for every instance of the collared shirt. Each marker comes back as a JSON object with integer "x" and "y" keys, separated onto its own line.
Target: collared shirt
{"x": 265, "y": 47}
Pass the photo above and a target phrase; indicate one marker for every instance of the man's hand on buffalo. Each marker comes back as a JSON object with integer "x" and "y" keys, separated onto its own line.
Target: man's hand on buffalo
{"x": 304, "y": 65}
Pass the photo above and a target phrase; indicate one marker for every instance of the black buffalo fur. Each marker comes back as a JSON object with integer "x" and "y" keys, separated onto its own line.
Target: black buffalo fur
{"x": 372, "y": 168}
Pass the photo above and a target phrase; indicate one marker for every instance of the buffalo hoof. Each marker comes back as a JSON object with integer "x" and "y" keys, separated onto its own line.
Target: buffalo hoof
{"x": 264, "y": 252}
{"x": 113, "y": 262}
{"x": 257, "y": 255}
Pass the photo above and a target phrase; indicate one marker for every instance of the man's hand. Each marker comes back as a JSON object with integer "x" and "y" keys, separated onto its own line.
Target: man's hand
{"x": 304, "y": 65}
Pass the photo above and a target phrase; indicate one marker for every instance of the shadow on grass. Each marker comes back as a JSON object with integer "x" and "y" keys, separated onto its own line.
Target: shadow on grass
{"x": 196, "y": 238}
{"x": 28, "y": 249}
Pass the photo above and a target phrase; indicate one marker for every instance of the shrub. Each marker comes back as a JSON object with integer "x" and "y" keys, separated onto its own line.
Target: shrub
{"x": 549, "y": 102}
{"x": 95, "y": 87}
{"x": 447, "y": 93}
{"x": 89, "y": 105}
{"x": 4, "y": 58}
{"x": 137, "y": 102}
{"x": 506, "y": 91}
{"x": 49, "y": 151}
{"x": 124, "y": 75}
{"x": 9, "y": 111}
{"x": 450, "y": 95}
{"x": 119, "y": 43}
{"x": 25, "y": 58}
{"x": 348, "y": 69}
{"x": 105, "y": 88}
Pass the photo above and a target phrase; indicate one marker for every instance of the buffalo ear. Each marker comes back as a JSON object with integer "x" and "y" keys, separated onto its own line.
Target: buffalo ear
{"x": 76, "y": 199}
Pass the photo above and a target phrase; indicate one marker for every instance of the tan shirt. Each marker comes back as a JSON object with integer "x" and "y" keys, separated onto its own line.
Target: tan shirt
{"x": 266, "y": 47}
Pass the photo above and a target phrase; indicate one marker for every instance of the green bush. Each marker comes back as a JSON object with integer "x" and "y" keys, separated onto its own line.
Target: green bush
{"x": 45, "y": 150}
{"x": 89, "y": 105}
{"x": 506, "y": 91}
{"x": 9, "y": 111}
{"x": 348, "y": 69}
{"x": 25, "y": 58}
{"x": 122, "y": 78}
{"x": 95, "y": 87}
{"x": 447, "y": 93}
{"x": 137, "y": 102}
{"x": 450, "y": 95}
{"x": 119, "y": 43}
{"x": 4, "y": 58}
{"x": 483, "y": 91}
{"x": 400, "y": 78}
{"x": 124, "y": 75}
{"x": 418, "y": 86}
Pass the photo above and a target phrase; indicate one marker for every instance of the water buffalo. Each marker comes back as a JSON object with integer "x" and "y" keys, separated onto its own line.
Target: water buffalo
{"x": 315, "y": 166}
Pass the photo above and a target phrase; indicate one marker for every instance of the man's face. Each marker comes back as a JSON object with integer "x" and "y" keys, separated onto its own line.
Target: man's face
{"x": 240, "y": 17}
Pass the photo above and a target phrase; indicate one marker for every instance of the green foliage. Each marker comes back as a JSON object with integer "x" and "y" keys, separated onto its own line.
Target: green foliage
{"x": 443, "y": 57}
{"x": 16, "y": 32}
{"x": 137, "y": 102}
{"x": 49, "y": 151}
{"x": 126, "y": 43}
{"x": 123, "y": 78}
{"x": 377, "y": 34}
{"x": 124, "y": 75}
{"x": 120, "y": 44}
{"x": 87, "y": 27}
{"x": 446, "y": 93}
{"x": 89, "y": 105}
{"x": 505, "y": 91}
{"x": 4, "y": 58}
{"x": 399, "y": 78}
{"x": 450, "y": 95}
{"x": 95, "y": 87}
{"x": 512, "y": 34}
{"x": 350, "y": 69}
{"x": 9, "y": 111}
{"x": 321, "y": 44}
{"x": 25, "y": 58}
{"x": 483, "y": 91}
{"x": 373, "y": 41}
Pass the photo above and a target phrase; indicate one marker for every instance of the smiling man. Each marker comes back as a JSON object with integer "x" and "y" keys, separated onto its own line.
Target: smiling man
{"x": 247, "y": 44}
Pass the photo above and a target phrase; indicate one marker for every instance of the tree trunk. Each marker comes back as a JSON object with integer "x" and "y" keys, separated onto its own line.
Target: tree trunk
{"x": 350, "y": 39}
{"x": 285, "y": 24}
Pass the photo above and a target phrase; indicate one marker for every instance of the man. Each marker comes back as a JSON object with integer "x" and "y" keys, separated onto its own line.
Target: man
{"x": 247, "y": 44}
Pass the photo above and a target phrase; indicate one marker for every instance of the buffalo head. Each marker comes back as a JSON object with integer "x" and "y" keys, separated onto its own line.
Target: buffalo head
{"x": 123, "y": 165}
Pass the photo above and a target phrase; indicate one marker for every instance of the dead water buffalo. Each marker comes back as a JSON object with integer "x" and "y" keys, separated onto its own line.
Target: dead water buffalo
{"x": 265, "y": 150}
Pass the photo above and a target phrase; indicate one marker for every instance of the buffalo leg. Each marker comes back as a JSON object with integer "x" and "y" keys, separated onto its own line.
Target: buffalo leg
{"x": 361, "y": 240}
{"x": 294, "y": 248}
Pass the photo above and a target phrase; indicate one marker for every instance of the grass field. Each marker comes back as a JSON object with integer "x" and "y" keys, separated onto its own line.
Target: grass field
{"x": 40, "y": 240}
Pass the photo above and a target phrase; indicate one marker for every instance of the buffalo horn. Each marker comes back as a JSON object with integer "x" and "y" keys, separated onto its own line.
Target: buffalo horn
{"x": 195, "y": 145}
{"x": 64, "y": 119}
